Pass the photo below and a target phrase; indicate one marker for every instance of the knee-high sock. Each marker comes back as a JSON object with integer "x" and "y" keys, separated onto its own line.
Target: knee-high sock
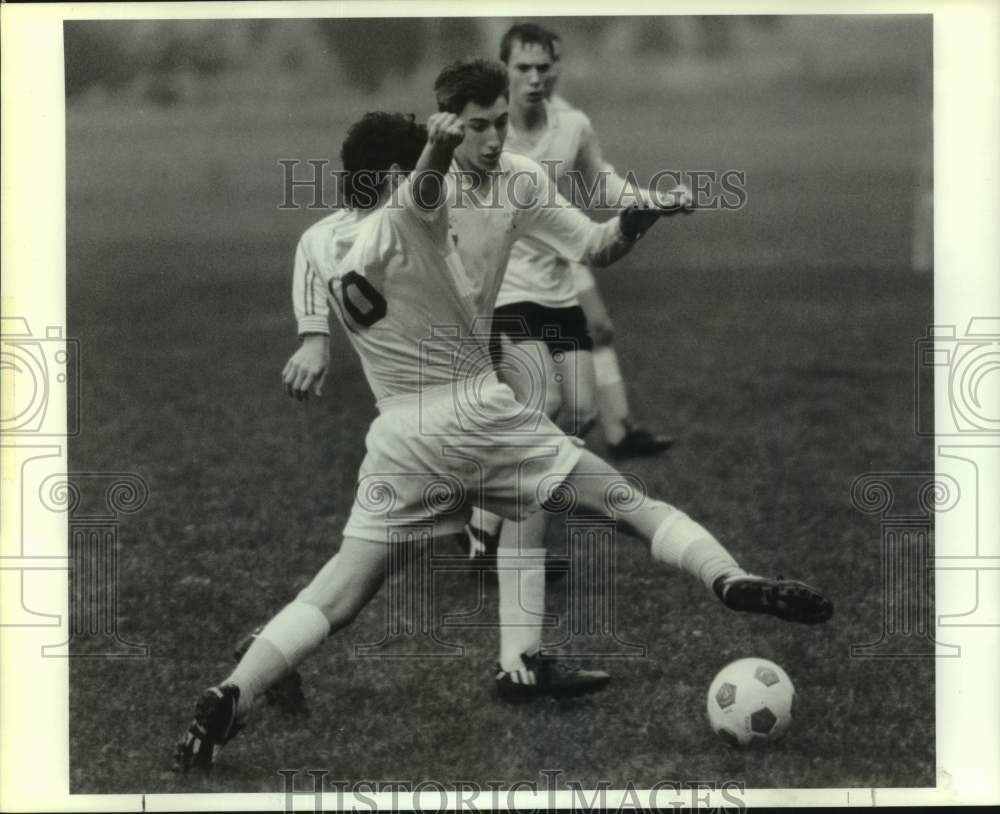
{"x": 487, "y": 521}
{"x": 612, "y": 398}
{"x": 297, "y": 630}
{"x": 521, "y": 578}
{"x": 685, "y": 544}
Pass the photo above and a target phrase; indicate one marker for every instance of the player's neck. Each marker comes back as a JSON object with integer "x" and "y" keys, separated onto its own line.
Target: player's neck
{"x": 481, "y": 179}
{"x": 529, "y": 118}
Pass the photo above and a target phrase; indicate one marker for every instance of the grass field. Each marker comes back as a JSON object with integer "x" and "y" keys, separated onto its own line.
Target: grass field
{"x": 776, "y": 342}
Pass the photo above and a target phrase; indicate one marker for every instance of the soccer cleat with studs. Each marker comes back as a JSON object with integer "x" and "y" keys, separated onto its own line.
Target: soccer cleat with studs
{"x": 286, "y": 694}
{"x": 214, "y": 725}
{"x": 787, "y": 599}
{"x": 547, "y": 675}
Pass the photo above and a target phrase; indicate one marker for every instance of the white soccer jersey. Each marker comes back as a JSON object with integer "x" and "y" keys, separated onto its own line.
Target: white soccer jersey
{"x": 534, "y": 275}
{"x": 522, "y": 208}
{"x": 321, "y": 247}
{"x": 405, "y": 301}
{"x": 567, "y": 145}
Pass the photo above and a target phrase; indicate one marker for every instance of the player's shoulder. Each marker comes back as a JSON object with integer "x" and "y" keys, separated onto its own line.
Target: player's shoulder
{"x": 521, "y": 164}
{"x": 329, "y": 227}
{"x": 566, "y": 115}
{"x": 557, "y": 102}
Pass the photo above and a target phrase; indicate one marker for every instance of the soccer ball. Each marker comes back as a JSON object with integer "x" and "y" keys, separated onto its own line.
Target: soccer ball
{"x": 750, "y": 701}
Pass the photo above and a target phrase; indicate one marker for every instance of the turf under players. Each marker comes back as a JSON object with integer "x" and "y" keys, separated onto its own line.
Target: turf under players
{"x": 400, "y": 277}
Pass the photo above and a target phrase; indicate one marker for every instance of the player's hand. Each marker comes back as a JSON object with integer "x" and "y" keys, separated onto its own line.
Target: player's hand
{"x": 307, "y": 367}
{"x": 635, "y": 220}
{"x": 678, "y": 199}
{"x": 445, "y": 130}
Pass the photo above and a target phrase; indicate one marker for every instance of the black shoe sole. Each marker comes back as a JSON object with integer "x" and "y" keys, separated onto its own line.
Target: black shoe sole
{"x": 789, "y": 600}
{"x": 201, "y": 757}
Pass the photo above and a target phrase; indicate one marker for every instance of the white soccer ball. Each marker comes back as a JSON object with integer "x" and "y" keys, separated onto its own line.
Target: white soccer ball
{"x": 750, "y": 701}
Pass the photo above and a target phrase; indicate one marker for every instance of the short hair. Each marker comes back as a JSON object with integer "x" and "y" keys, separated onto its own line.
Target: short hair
{"x": 526, "y": 34}
{"x": 371, "y": 147}
{"x": 482, "y": 81}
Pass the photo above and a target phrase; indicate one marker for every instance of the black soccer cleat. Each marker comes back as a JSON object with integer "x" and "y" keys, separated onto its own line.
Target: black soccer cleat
{"x": 214, "y": 725}
{"x": 286, "y": 694}
{"x": 787, "y": 599}
{"x": 548, "y": 675}
{"x": 639, "y": 443}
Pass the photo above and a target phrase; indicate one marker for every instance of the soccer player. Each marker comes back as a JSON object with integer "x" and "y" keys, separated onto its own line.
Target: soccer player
{"x": 609, "y": 398}
{"x": 401, "y": 277}
{"x": 548, "y": 304}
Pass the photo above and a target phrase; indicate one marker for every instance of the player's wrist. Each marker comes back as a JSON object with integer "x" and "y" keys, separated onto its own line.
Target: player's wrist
{"x": 629, "y": 228}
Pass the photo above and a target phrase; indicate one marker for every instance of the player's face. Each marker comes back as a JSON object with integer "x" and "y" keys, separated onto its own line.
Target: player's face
{"x": 528, "y": 68}
{"x": 552, "y": 77}
{"x": 485, "y": 131}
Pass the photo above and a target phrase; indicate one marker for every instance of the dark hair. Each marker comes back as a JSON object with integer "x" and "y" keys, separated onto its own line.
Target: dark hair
{"x": 482, "y": 81}
{"x": 526, "y": 34}
{"x": 372, "y": 146}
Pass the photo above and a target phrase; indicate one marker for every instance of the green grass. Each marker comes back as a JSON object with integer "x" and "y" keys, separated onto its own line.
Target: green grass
{"x": 776, "y": 342}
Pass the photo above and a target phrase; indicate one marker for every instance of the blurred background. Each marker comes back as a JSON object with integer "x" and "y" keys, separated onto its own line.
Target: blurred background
{"x": 775, "y": 341}
{"x": 178, "y": 126}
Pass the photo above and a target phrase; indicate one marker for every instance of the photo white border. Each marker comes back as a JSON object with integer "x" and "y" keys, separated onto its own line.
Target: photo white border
{"x": 34, "y": 755}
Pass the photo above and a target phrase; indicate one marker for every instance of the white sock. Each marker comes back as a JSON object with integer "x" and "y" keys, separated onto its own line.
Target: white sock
{"x": 612, "y": 399}
{"x": 484, "y": 520}
{"x": 521, "y": 578}
{"x": 297, "y": 630}
{"x": 682, "y": 543}
{"x": 606, "y": 370}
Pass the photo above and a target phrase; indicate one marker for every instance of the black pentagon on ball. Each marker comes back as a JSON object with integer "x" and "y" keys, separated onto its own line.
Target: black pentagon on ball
{"x": 728, "y": 736}
{"x": 726, "y": 695}
{"x": 766, "y": 676}
{"x": 762, "y": 721}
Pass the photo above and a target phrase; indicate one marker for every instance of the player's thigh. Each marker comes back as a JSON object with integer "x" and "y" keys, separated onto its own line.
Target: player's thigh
{"x": 528, "y": 368}
{"x": 598, "y": 319}
{"x": 575, "y": 372}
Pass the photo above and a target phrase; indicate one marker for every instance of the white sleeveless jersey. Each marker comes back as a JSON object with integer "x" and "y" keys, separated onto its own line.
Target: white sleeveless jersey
{"x": 535, "y": 275}
{"x": 524, "y": 216}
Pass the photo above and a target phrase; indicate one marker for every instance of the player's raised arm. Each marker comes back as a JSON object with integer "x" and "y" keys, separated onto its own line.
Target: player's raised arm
{"x": 445, "y": 132}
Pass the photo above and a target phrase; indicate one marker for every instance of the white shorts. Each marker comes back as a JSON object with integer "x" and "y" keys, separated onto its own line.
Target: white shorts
{"x": 583, "y": 277}
{"x": 432, "y": 456}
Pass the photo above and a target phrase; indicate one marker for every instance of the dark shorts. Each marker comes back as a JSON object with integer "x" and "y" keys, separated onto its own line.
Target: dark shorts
{"x": 561, "y": 329}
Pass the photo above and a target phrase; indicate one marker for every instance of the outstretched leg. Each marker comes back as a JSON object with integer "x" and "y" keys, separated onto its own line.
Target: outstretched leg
{"x": 677, "y": 540}
{"x": 330, "y": 602}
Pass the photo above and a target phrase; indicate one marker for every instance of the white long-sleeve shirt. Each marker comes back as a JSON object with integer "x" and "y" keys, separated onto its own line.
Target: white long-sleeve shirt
{"x": 522, "y": 205}
{"x": 566, "y": 146}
